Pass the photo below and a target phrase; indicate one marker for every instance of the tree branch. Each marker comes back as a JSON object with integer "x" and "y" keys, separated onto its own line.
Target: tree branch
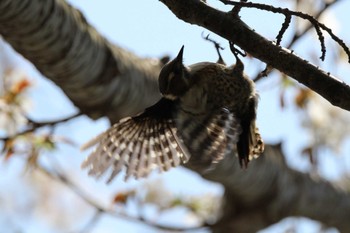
{"x": 33, "y": 125}
{"x": 96, "y": 76}
{"x": 296, "y": 37}
{"x": 288, "y": 13}
{"x": 317, "y": 16}
{"x": 235, "y": 30}
{"x": 105, "y": 80}
{"x": 269, "y": 191}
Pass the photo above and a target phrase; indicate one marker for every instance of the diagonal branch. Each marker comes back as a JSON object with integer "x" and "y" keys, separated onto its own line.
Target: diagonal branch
{"x": 269, "y": 191}
{"x": 297, "y": 36}
{"x": 235, "y": 30}
{"x": 104, "y": 80}
{"x": 302, "y": 15}
{"x": 95, "y": 75}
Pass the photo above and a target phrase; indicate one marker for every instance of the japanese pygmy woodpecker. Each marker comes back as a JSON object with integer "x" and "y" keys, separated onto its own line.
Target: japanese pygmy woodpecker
{"x": 207, "y": 111}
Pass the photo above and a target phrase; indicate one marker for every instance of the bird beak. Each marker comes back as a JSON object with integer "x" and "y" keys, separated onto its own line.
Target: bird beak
{"x": 179, "y": 56}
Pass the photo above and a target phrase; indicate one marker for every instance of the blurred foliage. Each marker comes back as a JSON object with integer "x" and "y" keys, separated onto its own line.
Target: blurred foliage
{"x": 328, "y": 128}
{"x": 203, "y": 207}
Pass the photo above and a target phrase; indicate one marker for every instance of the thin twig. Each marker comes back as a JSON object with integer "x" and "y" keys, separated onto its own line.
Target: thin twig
{"x": 284, "y": 27}
{"x": 217, "y": 48}
{"x": 302, "y": 15}
{"x": 36, "y": 124}
{"x": 33, "y": 125}
{"x": 295, "y": 38}
{"x": 309, "y": 27}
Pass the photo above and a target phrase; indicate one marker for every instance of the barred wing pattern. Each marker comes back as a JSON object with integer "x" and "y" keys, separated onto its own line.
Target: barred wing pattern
{"x": 258, "y": 144}
{"x": 139, "y": 144}
{"x": 211, "y": 137}
{"x": 151, "y": 141}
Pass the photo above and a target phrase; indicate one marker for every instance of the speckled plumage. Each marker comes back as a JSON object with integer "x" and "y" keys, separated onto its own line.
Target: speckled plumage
{"x": 208, "y": 111}
{"x": 213, "y": 87}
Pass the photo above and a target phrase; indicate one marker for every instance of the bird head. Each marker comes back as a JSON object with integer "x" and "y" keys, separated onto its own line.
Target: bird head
{"x": 174, "y": 78}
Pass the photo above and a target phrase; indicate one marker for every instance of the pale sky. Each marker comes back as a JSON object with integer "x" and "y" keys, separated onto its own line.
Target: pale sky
{"x": 148, "y": 28}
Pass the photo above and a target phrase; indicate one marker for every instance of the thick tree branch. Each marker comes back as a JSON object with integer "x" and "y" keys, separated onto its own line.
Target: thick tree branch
{"x": 102, "y": 79}
{"x": 235, "y": 30}
{"x": 269, "y": 191}
{"x": 297, "y": 36}
{"x": 96, "y": 76}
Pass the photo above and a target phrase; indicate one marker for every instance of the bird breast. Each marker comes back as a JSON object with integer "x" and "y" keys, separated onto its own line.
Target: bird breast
{"x": 215, "y": 86}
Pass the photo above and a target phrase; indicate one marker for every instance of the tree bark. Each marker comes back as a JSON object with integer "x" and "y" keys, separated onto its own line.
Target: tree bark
{"x": 105, "y": 80}
{"x": 235, "y": 30}
{"x": 268, "y": 191}
{"x": 99, "y": 78}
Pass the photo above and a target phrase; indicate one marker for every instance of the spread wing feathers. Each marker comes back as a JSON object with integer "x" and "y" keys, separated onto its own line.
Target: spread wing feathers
{"x": 256, "y": 143}
{"x": 250, "y": 144}
{"x": 213, "y": 136}
{"x": 138, "y": 144}
{"x": 252, "y": 147}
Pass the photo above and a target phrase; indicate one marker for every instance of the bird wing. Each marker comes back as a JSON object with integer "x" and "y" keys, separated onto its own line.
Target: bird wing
{"x": 139, "y": 144}
{"x": 250, "y": 144}
{"x": 209, "y": 138}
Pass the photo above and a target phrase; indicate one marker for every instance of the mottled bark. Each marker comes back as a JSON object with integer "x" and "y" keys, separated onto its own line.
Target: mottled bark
{"x": 105, "y": 80}
{"x": 269, "y": 191}
{"x": 99, "y": 78}
{"x": 235, "y": 30}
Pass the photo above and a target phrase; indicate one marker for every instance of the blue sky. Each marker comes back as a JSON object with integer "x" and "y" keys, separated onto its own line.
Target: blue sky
{"x": 149, "y": 29}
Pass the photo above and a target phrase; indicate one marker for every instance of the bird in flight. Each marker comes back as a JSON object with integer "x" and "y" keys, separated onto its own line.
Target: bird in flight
{"x": 207, "y": 111}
